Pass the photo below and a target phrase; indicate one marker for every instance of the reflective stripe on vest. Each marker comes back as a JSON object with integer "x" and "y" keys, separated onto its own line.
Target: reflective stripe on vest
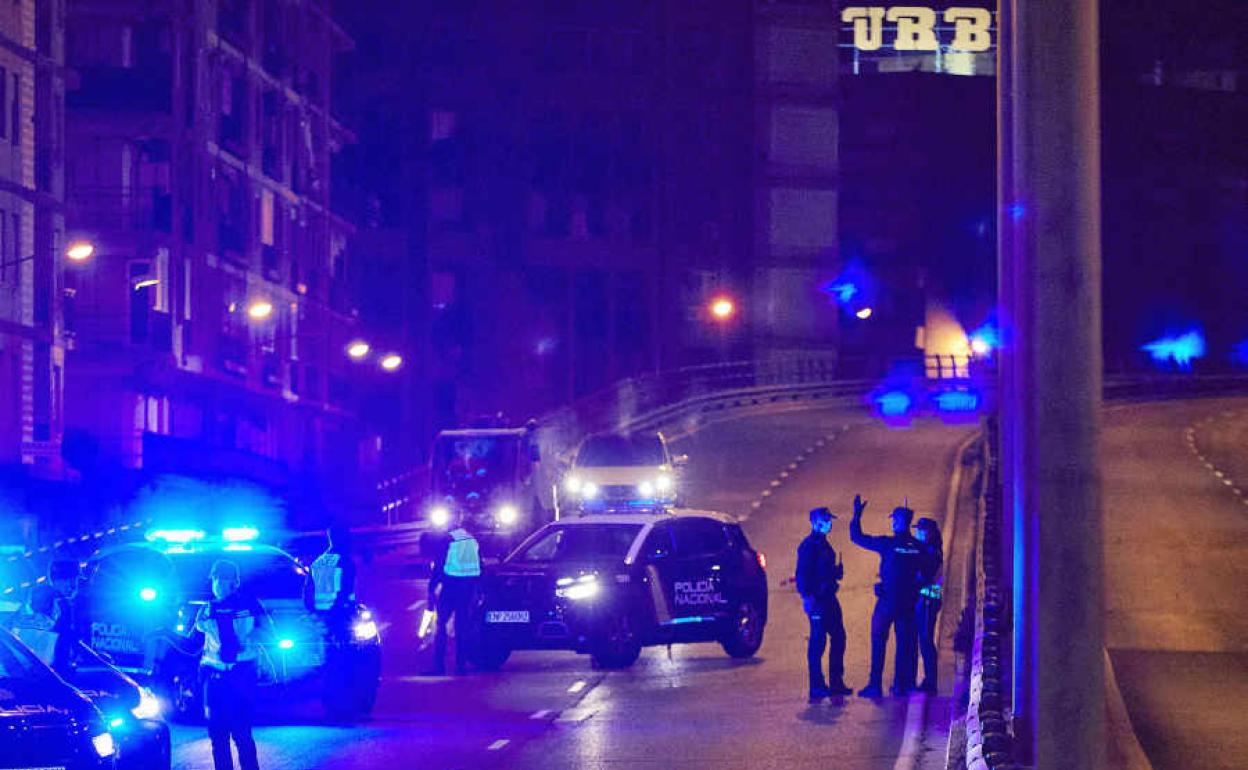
{"x": 463, "y": 558}
{"x": 327, "y": 579}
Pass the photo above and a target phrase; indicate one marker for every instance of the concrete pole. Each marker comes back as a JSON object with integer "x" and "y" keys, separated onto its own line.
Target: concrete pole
{"x": 1055, "y": 238}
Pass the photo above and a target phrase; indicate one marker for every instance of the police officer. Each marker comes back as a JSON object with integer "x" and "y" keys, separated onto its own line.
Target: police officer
{"x": 230, "y": 624}
{"x": 896, "y": 596}
{"x": 333, "y": 580}
{"x": 454, "y": 580}
{"x": 927, "y": 532}
{"x": 818, "y": 578}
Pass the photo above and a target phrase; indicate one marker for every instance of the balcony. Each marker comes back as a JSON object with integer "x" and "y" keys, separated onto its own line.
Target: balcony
{"x": 126, "y": 89}
{"x": 114, "y": 208}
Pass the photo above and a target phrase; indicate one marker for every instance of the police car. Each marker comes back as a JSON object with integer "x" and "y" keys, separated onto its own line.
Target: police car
{"x": 44, "y": 722}
{"x": 142, "y": 599}
{"x": 610, "y": 584}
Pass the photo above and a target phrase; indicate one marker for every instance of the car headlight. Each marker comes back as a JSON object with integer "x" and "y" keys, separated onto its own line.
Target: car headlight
{"x": 577, "y": 589}
{"x": 104, "y": 745}
{"x": 440, "y": 516}
{"x": 645, "y": 489}
{"x": 572, "y": 484}
{"x": 664, "y": 484}
{"x": 364, "y": 630}
{"x": 149, "y": 705}
{"x": 507, "y": 514}
{"x": 589, "y": 490}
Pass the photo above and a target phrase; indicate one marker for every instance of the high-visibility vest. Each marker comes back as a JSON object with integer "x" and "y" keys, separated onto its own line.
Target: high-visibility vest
{"x": 463, "y": 556}
{"x": 327, "y": 579}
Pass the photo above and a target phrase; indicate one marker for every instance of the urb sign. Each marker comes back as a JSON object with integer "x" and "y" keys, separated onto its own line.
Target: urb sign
{"x": 916, "y": 27}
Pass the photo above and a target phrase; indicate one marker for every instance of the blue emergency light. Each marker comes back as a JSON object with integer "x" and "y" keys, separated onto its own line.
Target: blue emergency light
{"x": 179, "y": 536}
{"x": 148, "y": 594}
{"x": 239, "y": 534}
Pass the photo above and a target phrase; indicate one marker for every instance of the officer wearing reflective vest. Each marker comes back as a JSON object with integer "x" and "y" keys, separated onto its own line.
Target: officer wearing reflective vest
{"x": 454, "y": 580}
{"x": 333, "y": 580}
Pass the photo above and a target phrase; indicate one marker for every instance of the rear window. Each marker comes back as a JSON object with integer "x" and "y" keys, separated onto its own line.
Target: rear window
{"x": 594, "y": 542}
{"x": 616, "y": 450}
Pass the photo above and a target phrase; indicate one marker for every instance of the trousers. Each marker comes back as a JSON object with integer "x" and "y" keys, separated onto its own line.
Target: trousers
{"x": 827, "y": 629}
{"x": 899, "y": 617}
{"x": 454, "y": 600}
{"x": 925, "y": 614}
{"x": 230, "y": 698}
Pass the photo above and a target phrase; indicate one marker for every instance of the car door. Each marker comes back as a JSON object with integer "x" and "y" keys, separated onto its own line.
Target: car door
{"x": 657, "y": 567}
{"x": 699, "y": 593}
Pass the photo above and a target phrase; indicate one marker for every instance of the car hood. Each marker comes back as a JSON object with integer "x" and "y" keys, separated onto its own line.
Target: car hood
{"x": 41, "y": 701}
{"x": 620, "y": 474}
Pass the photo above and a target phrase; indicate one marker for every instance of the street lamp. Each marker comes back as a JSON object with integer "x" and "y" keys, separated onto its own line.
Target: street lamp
{"x": 722, "y": 308}
{"x": 80, "y": 251}
{"x": 391, "y": 362}
{"x": 864, "y": 313}
{"x": 259, "y": 310}
{"x": 358, "y": 349}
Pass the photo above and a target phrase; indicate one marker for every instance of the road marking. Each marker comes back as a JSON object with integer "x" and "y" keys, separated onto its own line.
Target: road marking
{"x": 416, "y": 605}
{"x": 784, "y": 474}
{"x": 580, "y": 685}
{"x": 1219, "y": 473}
{"x": 793, "y": 466}
{"x": 908, "y": 757}
{"x": 498, "y": 744}
{"x": 766, "y": 493}
{"x": 756, "y": 504}
{"x": 540, "y": 714}
{"x": 1228, "y": 482}
{"x": 775, "y": 483}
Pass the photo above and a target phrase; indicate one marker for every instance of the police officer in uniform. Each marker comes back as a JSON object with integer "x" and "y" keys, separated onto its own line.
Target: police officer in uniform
{"x": 818, "y": 578}
{"x": 230, "y": 623}
{"x": 333, "y": 581}
{"x": 896, "y": 594}
{"x": 927, "y": 532}
{"x": 454, "y": 580}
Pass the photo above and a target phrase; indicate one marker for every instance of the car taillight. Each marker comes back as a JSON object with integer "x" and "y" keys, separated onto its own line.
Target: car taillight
{"x": 762, "y": 560}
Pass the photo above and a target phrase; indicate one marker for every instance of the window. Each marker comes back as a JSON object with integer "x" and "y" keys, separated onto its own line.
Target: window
{"x": 700, "y": 537}
{"x": 16, "y": 109}
{"x": 658, "y": 544}
{"x": 580, "y": 543}
{"x": 4, "y": 101}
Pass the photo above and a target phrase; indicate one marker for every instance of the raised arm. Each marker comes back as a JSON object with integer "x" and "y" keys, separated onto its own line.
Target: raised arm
{"x": 856, "y": 535}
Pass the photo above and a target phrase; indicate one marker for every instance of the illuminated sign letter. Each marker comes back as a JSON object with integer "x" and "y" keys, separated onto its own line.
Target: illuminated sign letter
{"x": 868, "y": 27}
{"x": 971, "y": 28}
{"x": 916, "y": 28}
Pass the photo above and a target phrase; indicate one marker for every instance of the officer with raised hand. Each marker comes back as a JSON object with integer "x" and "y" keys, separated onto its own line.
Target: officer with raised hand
{"x": 454, "y": 581}
{"x": 230, "y": 624}
{"x": 818, "y": 579}
{"x": 897, "y": 593}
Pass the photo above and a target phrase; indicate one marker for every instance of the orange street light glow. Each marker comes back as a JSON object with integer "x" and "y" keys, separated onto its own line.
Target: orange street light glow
{"x": 864, "y": 314}
{"x": 722, "y": 308}
{"x": 260, "y": 310}
{"x": 80, "y": 251}
{"x": 391, "y": 362}
{"x": 358, "y": 349}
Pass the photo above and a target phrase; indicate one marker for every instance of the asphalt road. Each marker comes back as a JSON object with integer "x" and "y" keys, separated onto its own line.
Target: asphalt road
{"x": 1176, "y": 534}
{"x": 691, "y": 706}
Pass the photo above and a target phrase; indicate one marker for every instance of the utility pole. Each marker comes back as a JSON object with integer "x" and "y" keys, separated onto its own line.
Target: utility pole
{"x": 1051, "y": 295}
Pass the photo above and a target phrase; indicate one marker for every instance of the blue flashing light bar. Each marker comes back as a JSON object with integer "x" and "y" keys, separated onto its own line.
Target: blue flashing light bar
{"x": 957, "y": 401}
{"x": 148, "y": 594}
{"x": 894, "y": 403}
{"x": 286, "y": 644}
{"x": 1181, "y": 350}
{"x": 240, "y": 534}
{"x": 181, "y": 536}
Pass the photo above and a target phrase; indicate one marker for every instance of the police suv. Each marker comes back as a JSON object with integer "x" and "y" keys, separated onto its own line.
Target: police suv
{"x": 44, "y": 722}
{"x": 142, "y": 599}
{"x": 610, "y": 584}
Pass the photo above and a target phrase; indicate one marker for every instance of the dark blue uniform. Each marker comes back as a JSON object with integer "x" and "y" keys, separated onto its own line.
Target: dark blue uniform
{"x": 928, "y": 610}
{"x": 897, "y": 593}
{"x": 818, "y": 577}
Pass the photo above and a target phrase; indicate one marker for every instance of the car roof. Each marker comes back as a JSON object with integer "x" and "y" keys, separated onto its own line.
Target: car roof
{"x": 648, "y": 517}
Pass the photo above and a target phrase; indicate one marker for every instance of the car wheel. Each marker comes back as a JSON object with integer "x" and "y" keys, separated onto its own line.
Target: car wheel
{"x": 618, "y": 647}
{"x": 745, "y": 635}
{"x": 350, "y": 689}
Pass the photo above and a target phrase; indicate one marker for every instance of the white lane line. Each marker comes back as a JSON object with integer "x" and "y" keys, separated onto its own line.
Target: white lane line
{"x": 766, "y": 493}
{"x": 580, "y": 685}
{"x": 540, "y": 714}
{"x": 498, "y": 744}
{"x": 1219, "y": 474}
{"x": 793, "y": 466}
{"x": 416, "y": 605}
{"x": 1228, "y": 482}
{"x": 775, "y": 483}
{"x": 756, "y": 504}
{"x": 908, "y": 757}
{"x": 784, "y": 474}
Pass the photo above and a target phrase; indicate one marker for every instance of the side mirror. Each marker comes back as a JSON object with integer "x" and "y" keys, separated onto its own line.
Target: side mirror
{"x": 680, "y": 461}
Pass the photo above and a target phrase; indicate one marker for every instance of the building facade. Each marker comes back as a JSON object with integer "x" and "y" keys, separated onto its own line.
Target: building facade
{"x": 32, "y": 235}
{"x": 210, "y": 325}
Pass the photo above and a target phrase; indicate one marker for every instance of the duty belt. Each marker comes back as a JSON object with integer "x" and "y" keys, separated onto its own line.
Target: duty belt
{"x": 931, "y": 592}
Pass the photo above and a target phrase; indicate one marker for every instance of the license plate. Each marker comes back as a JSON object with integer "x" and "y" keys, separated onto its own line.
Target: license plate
{"x": 507, "y": 616}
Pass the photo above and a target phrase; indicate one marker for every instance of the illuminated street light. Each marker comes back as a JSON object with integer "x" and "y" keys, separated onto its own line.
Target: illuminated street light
{"x": 358, "y": 349}
{"x": 146, "y": 282}
{"x": 980, "y": 346}
{"x": 79, "y": 251}
{"x": 391, "y": 362}
{"x": 722, "y": 308}
{"x": 259, "y": 310}
{"x": 864, "y": 314}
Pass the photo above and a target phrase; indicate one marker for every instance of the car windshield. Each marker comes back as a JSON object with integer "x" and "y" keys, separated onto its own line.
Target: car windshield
{"x": 615, "y": 450}
{"x": 592, "y": 542}
{"x": 463, "y": 464}
{"x": 16, "y": 662}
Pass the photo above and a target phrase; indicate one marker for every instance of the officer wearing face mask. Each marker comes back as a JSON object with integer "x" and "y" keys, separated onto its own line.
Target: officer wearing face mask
{"x": 897, "y": 593}
{"x": 230, "y": 623}
{"x": 818, "y": 579}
